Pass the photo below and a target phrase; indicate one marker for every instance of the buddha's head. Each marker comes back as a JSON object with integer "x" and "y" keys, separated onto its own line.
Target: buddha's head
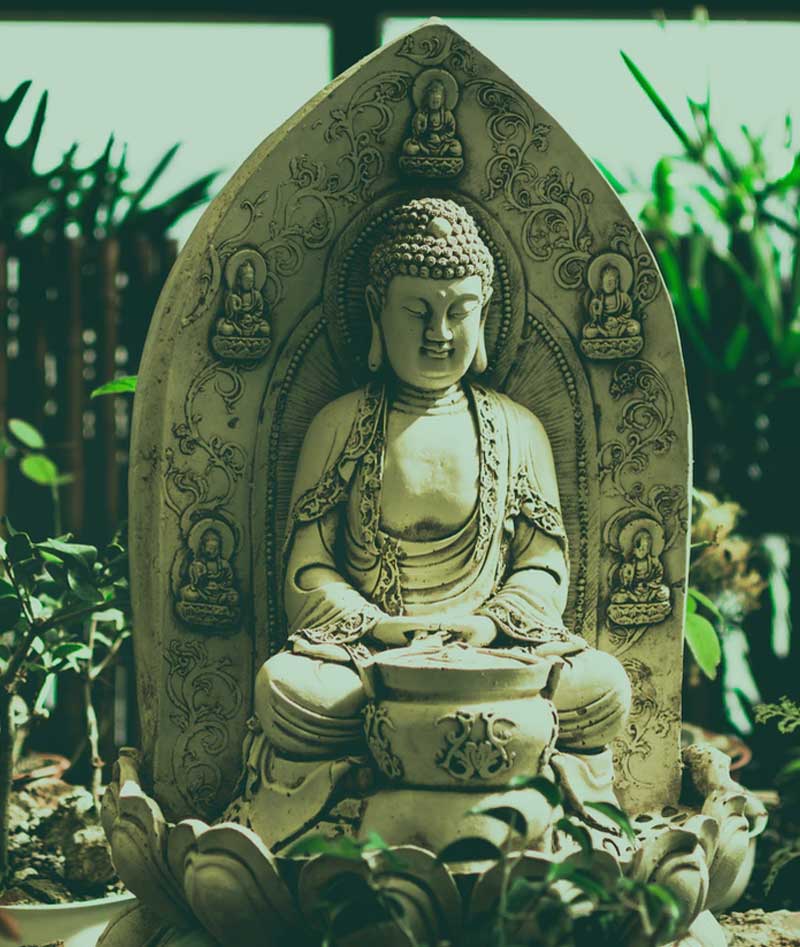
{"x": 434, "y": 94}
{"x": 247, "y": 275}
{"x": 210, "y": 545}
{"x": 429, "y": 287}
{"x": 642, "y": 544}
{"x": 609, "y": 279}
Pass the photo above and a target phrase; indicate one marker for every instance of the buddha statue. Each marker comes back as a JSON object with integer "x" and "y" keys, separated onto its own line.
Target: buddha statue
{"x": 209, "y": 595}
{"x": 425, "y": 507}
{"x": 242, "y": 332}
{"x": 613, "y": 330}
{"x": 433, "y": 147}
{"x": 639, "y": 594}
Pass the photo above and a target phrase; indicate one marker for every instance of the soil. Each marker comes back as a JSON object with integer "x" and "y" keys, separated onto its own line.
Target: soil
{"x": 57, "y": 847}
{"x": 759, "y": 928}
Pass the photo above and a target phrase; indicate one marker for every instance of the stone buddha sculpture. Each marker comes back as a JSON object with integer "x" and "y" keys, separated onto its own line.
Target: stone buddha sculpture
{"x": 426, "y": 507}
{"x": 613, "y": 331}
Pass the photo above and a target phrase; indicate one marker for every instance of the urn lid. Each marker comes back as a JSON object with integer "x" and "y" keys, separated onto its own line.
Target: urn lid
{"x": 459, "y": 670}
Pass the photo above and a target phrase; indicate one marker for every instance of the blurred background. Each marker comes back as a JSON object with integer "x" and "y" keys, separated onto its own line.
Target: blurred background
{"x": 115, "y": 134}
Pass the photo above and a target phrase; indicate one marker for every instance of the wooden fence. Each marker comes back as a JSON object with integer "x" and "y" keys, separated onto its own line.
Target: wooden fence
{"x": 74, "y": 314}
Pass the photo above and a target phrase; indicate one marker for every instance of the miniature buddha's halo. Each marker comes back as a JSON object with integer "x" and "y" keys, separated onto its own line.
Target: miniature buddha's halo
{"x": 629, "y": 531}
{"x": 423, "y": 81}
{"x": 620, "y": 263}
{"x": 246, "y": 255}
{"x": 220, "y": 527}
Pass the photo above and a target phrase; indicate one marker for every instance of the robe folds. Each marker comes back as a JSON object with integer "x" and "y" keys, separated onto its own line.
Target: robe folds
{"x": 344, "y": 571}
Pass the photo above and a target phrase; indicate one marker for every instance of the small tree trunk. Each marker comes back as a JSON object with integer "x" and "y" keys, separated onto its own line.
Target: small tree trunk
{"x": 6, "y": 774}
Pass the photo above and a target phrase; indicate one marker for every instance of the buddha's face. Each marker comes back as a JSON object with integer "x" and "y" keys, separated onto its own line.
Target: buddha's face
{"x": 435, "y": 95}
{"x": 430, "y": 327}
{"x": 642, "y": 544}
{"x": 210, "y": 546}
{"x": 247, "y": 277}
{"x": 610, "y": 280}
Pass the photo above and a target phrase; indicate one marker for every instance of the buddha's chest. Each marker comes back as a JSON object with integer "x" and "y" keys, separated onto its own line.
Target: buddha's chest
{"x": 430, "y": 476}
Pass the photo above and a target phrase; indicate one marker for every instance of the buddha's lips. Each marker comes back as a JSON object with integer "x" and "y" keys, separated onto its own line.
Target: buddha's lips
{"x": 437, "y": 351}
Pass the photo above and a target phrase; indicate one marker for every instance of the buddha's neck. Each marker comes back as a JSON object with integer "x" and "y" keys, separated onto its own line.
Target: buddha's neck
{"x": 411, "y": 400}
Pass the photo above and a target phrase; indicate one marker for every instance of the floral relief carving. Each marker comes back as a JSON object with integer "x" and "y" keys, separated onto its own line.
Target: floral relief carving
{"x": 377, "y": 725}
{"x": 649, "y": 719}
{"x": 204, "y": 695}
{"x": 436, "y": 49}
{"x": 652, "y": 517}
{"x": 476, "y": 745}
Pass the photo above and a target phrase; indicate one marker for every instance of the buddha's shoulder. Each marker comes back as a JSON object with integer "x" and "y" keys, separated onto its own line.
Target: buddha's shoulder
{"x": 337, "y": 416}
{"x": 521, "y": 420}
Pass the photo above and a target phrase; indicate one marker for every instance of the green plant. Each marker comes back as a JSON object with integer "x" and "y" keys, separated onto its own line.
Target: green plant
{"x": 579, "y": 901}
{"x": 785, "y": 852}
{"x": 723, "y": 223}
{"x": 89, "y": 200}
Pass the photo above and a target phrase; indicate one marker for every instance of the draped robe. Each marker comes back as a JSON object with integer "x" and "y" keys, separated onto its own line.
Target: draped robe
{"x": 508, "y": 561}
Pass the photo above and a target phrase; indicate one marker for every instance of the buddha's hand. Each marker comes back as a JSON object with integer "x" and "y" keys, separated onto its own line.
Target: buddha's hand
{"x": 561, "y": 647}
{"x": 478, "y": 630}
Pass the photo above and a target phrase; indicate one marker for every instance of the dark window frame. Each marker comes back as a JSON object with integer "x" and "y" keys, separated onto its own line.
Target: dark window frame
{"x": 356, "y": 30}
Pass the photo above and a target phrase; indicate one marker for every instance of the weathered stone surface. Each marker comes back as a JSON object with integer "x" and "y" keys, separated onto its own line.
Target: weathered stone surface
{"x": 762, "y": 928}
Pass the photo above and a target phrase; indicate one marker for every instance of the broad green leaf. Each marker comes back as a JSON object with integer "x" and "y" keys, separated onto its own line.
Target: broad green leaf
{"x": 508, "y": 815}
{"x": 78, "y": 555}
{"x": 576, "y": 832}
{"x": 705, "y": 601}
{"x": 541, "y": 784}
{"x": 703, "y": 642}
{"x": 10, "y": 611}
{"x": 662, "y": 904}
{"x": 660, "y": 104}
{"x": 119, "y": 386}
{"x": 616, "y": 815}
{"x": 39, "y": 469}
{"x": 26, "y": 434}
{"x": 470, "y": 849}
{"x": 19, "y": 548}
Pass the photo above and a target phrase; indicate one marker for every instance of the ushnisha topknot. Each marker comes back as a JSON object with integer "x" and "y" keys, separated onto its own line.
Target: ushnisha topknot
{"x": 433, "y": 238}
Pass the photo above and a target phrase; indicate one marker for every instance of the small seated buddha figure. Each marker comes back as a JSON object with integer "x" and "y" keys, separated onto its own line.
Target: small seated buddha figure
{"x": 209, "y": 595}
{"x": 424, "y": 503}
{"x": 242, "y": 331}
{"x": 639, "y": 594}
{"x": 613, "y": 330}
{"x": 433, "y": 134}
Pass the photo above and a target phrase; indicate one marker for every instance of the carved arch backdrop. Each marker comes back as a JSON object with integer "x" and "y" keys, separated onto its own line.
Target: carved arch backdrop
{"x": 261, "y": 323}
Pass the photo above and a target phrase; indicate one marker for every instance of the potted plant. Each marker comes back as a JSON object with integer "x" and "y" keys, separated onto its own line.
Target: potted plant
{"x": 63, "y": 609}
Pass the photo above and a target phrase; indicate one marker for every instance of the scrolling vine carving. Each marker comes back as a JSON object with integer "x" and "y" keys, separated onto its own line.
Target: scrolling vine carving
{"x": 476, "y": 747}
{"x": 205, "y": 696}
{"x": 651, "y": 518}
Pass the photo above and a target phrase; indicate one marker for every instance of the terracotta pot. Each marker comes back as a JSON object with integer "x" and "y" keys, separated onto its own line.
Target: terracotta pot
{"x": 77, "y": 923}
{"x": 461, "y": 718}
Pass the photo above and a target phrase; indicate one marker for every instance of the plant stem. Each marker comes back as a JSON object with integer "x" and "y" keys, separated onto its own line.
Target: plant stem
{"x": 6, "y": 774}
{"x": 92, "y": 729}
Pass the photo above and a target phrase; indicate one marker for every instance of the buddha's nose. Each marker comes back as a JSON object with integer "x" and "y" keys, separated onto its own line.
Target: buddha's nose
{"x": 438, "y": 330}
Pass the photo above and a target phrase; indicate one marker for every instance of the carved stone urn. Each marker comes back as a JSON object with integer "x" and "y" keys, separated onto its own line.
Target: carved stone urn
{"x": 460, "y": 718}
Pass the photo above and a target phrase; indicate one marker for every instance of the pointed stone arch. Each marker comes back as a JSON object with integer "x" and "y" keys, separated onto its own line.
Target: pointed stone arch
{"x": 219, "y": 417}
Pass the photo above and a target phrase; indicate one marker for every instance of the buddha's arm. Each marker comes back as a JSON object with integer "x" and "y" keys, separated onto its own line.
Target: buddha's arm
{"x": 321, "y": 605}
{"x": 530, "y": 601}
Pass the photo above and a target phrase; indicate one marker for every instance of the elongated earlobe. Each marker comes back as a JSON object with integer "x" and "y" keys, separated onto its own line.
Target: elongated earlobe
{"x": 375, "y": 357}
{"x": 480, "y": 362}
